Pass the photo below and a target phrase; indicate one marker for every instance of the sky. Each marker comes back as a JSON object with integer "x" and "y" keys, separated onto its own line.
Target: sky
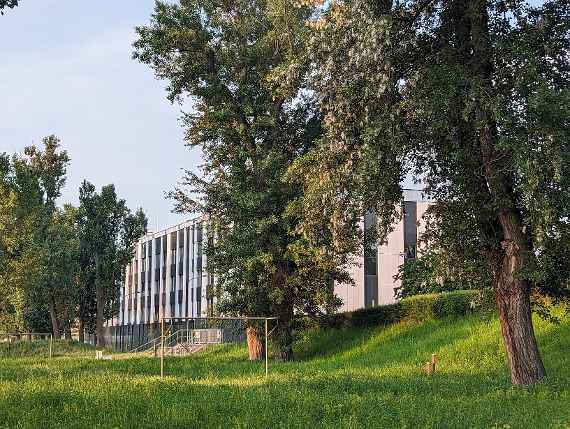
{"x": 66, "y": 69}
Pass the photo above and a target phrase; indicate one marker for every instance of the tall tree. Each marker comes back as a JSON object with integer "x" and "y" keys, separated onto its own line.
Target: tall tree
{"x": 63, "y": 267}
{"x": 251, "y": 122}
{"x": 34, "y": 181}
{"x": 11, "y": 314}
{"x": 48, "y": 169}
{"x": 474, "y": 95}
{"x": 108, "y": 233}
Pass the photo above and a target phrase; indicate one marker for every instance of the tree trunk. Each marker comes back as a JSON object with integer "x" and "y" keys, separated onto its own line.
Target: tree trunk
{"x": 255, "y": 343}
{"x": 100, "y": 306}
{"x": 513, "y": 301}
{"x": 53, "y": 317}
{"x": 512, "y": 293}
{"x": 284, "y": 333}
{"x": 99, "y": 319}
{"x": 284, "y": 328}
{"x": 81, "y": 328}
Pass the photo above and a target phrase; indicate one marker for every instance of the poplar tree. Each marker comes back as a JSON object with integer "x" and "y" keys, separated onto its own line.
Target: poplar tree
{"x": 108, "y": 232}
{"x": 474, "y": 96}
{"x": 251, "y": 121}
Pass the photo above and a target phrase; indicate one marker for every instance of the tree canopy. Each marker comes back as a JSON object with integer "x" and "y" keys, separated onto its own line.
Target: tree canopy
{"x": 471, "y": 95}
{"x": 108, "y": 232}
{"x": 251, "y": 120}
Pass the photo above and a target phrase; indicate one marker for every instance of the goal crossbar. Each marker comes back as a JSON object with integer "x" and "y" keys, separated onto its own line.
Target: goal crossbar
{"x": 165, "y": 320}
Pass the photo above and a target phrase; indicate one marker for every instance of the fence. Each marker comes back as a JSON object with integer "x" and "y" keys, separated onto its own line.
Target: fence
{"x": 13, "y": 341}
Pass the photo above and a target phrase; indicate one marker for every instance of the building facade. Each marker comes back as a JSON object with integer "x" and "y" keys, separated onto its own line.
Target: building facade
{"x": 374, "y": 272}
{"x": 167, "y": 277}
{"x": 168, "y": 274}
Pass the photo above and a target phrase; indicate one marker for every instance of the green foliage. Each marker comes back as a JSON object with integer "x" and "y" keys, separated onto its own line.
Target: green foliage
{"x": 39, "y": 349}
{"x": 349, "y": 378}
{"x": 30, "y": 278}
{"x": 107, "y": 234}
{"x": 417, "y": 308}
{"x": 473, "y": 97}
{"x": 251, "y": 121}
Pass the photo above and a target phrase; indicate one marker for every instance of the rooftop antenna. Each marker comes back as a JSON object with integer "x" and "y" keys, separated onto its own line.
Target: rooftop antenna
{"x": 156, "y": 230}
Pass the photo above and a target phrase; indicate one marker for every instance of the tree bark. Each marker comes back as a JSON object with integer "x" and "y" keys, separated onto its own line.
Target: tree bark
{"x": 255, "y": 344}
{"x": 284, "y": 335}
{"x": 100, "y": 302}
{"x": 53, "y": 317}
{"x": 513, "y": 301}
{"x": 512, "y": 292}
{"x": 99, "y": 318}
{"x": 81, "y": 328}
{"x": 284, "y": 329}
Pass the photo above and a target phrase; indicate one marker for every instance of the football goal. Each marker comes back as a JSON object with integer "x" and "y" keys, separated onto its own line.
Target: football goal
{"x": 183, "y": 336}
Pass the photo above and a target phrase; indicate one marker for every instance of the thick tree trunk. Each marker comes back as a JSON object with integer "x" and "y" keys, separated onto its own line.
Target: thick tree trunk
{"x": 99, "y": 318}
{"x": 255, "y": 343}
{"x": 518, "y": 335}
{"x": 513, "y": 301}
{"x": 512, "y": 292}
{"x": 53, "y": 317}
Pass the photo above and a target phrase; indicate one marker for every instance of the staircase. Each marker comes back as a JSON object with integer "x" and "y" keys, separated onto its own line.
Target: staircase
{"x": 181, "y": 343}
{"x": 183, "y": 349}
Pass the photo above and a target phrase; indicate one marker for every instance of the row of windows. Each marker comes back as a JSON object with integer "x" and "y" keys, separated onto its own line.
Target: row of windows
{"x": 193, "y": 296}
{"x": 194, "y": 262}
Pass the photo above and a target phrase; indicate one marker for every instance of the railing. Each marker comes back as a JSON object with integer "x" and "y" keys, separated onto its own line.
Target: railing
{"x": 14, "y": 337}
{"x": 183, "y": 336}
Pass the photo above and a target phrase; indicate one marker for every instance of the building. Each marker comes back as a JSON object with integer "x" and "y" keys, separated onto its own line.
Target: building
{"x": 168, "y": 275}
{"x": 373, "y": 274}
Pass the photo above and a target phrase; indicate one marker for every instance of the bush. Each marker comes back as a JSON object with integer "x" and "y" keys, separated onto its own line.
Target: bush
{"x": 381, "y": 315}
{"x": 416, "y": 308}
{"x": 457, "y": 303}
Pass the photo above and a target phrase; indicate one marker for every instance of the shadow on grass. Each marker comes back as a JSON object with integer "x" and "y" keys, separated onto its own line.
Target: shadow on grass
{"x": 368, "y": 378}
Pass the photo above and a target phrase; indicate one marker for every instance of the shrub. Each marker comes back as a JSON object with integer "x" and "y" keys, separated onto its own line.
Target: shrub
{"x": 381, "y": 315}
{"x": 418, "y": 307}
{"x": 457, "y": 303}
{"x": 415, "y": 308}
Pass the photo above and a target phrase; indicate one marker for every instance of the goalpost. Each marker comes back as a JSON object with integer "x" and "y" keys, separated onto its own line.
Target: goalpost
{"x": 188, "y": 335}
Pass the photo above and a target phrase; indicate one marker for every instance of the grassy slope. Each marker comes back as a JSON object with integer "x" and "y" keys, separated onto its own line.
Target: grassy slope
{"x": 360, "y": 378}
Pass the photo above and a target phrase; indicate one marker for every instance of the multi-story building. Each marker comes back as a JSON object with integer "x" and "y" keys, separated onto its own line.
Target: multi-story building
{"x": 374, "y": 272}
{"x": 168, "y": 275}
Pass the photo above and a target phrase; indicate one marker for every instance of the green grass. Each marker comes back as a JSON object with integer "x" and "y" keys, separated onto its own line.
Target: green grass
{"x": 345, "y": 379}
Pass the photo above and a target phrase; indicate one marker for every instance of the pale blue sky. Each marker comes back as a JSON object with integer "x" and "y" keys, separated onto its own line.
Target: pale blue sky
{"x": 66, "y": 69}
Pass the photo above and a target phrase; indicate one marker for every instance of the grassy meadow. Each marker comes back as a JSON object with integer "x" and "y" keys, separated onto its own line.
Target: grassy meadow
{"x": 342, "y": 379}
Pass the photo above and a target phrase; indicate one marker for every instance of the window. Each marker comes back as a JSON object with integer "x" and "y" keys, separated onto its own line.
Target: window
{"x": 198, "y": 301}
{"x": 410, "y": 229}
{"x": 370, "y": 260}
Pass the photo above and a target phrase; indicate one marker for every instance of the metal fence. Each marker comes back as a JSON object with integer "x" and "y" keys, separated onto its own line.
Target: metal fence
{"x": 13, "y": 341}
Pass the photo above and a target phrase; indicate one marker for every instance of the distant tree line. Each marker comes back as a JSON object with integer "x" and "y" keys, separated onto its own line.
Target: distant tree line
{"x": 60, "y": 267}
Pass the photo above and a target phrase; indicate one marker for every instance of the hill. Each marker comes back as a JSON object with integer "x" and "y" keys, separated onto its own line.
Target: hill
{"x": 352, "y": 378}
